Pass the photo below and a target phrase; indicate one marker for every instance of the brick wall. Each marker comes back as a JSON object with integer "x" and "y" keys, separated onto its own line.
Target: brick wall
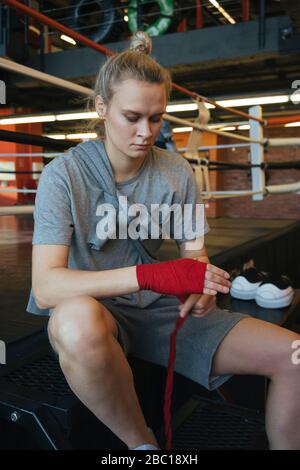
{"x": 285, "y": 206}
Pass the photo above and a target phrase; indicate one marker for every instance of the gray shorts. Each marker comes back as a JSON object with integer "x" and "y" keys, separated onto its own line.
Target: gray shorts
{"x": 145, "y": 334}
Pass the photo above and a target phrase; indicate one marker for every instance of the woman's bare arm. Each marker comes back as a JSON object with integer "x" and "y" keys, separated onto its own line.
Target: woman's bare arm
{"x": 53, "y": 281}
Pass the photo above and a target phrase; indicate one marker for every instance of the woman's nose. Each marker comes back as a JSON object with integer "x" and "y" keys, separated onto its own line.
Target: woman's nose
{"x": 144, "y": 130}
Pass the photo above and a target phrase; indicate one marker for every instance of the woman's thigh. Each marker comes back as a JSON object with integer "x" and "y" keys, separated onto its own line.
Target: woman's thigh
{"x": 254, "y": 346}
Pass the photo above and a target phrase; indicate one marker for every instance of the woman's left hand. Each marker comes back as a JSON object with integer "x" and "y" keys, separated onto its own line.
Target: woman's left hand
{"x": 198, "y": 305}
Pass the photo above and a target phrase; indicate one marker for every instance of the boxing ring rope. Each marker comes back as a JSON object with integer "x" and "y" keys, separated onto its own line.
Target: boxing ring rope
{"x": 15, "y": 67}
{"x": 214, "y": 147}
{"x": 14, "y": 210}
{"x": 256, "y": 146}
{"x": 217, "y": 105}
{"x": 30, "y": 155}
{"x": 275, "y": 189}
{"x": 74, "y": 88}
{"x": 275, "y": 120}
{"x": 22, "y": 191}
{"x": 45, "y": 77}
{"x": 283, "y": 142}
{"x": 217, "y": 165}
{"x": 108, "y": 52}
{"x": 228, "y": 135}
{"x": 284, "y": 188}
{"x": 214, "y": 195}
{"x": 36, "y": 140}
{"x": 255, "y": 166}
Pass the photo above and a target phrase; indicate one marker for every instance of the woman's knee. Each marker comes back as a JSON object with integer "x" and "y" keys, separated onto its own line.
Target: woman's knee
{"x": 286, "y": 357}
{"x": 80, "y": 324}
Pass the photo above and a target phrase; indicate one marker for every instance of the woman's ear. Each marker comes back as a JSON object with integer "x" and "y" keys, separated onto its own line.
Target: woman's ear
{"x": 100, "y": 107}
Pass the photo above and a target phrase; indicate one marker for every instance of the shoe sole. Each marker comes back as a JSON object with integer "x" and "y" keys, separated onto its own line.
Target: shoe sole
{"x": 276, "y": 303}
{"x": 243, "y": 294}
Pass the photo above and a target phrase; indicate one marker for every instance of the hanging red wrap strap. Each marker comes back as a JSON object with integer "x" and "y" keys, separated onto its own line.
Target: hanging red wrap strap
{"x": 169, "y": 384}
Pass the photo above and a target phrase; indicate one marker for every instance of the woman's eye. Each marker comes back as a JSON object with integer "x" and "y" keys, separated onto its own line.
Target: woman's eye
{"x": 135, "y": 119}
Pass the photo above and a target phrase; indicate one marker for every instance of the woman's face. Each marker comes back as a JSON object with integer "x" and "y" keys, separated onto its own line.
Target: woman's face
{"x": 133, "y": 117}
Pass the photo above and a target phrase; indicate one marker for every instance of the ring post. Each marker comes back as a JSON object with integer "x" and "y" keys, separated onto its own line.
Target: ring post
{"x": 257, "y": 154}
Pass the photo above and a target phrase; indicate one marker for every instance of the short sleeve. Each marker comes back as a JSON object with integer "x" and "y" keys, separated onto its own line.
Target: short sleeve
{"x": 195, "y": 224}
{"x": 53, "y": 222}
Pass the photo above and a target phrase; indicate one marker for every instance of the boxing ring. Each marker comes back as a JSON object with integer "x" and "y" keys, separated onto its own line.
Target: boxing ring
{"x": 256, "y": 142}
{"x": 49, "y": 432}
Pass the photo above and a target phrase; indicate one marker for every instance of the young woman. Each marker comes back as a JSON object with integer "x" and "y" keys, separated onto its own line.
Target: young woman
{"x": 107, "y": 296}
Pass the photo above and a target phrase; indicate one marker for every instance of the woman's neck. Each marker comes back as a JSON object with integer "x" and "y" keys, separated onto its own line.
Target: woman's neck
{"x": 124, "y": 168}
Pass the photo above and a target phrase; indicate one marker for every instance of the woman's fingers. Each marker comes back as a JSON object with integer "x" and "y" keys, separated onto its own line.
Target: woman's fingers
{"x": 209, "y": 291}
{"x": 188, "y": 304}
{"x": 197, "y": 305}
{"x": 216, "y": 279}
{"x": 210, "y": 268}
{"x": 214, "y": 286}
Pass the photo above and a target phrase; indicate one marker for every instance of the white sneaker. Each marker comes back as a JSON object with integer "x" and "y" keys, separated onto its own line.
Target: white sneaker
{"x": 275, "y": 292}
{"x": 244, "y": 286}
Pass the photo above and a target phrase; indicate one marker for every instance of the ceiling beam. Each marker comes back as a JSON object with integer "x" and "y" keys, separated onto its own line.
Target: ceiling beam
{"x": 212, "y": 45}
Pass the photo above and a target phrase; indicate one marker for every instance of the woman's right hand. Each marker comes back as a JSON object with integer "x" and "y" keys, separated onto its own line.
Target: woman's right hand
{"x": 182, "y": 277}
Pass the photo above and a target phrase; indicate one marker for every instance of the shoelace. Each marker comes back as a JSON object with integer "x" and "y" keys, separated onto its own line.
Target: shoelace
{"x": 255, "y": 275}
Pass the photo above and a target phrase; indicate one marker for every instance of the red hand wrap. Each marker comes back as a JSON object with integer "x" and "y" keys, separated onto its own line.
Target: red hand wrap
{"x": 180, "y": 277}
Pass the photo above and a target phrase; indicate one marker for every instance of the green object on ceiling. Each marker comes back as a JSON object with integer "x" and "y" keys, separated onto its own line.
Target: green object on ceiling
{"x": 159, "y": 26}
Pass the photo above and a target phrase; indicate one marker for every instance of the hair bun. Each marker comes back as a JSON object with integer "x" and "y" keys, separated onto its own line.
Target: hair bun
{"x": 141, "y": 42}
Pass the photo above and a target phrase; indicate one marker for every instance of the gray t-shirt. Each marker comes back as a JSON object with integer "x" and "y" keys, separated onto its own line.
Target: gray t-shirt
{"x": 74, "y": 186}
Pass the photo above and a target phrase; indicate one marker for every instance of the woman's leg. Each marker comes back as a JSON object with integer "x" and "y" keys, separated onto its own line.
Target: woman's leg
{"x": 84, "y": 334}
{"x": 257, "y": 347}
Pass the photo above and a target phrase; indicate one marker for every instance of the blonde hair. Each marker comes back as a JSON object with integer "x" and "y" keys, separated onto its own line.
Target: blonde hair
{"x": 135, "y": 63}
